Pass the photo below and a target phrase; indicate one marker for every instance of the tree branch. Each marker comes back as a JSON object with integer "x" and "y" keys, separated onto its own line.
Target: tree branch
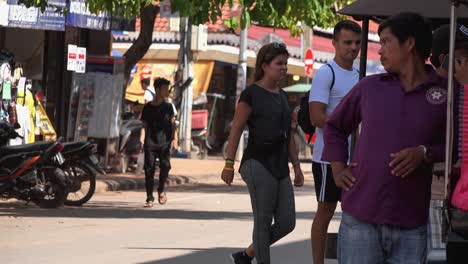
{"x": 141, "y": 45}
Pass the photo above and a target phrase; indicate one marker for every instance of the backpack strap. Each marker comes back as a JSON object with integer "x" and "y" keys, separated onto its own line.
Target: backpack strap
{"x": 151, "y": 92}
{"x": 333, "y": 76}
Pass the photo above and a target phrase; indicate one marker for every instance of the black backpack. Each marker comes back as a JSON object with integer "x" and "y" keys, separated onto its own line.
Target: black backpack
{"x": 303, "y": 117}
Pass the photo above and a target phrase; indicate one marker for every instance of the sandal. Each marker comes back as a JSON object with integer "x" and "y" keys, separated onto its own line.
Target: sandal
{"x": 162, "y": 198}
{"x": 148, "y": 204}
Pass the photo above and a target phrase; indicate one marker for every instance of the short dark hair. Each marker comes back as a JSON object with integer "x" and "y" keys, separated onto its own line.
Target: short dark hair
{"x": 441, "y": 41}
{"x": 440, "y": 44}
{"x": 266, "y": 55}
{"x": 461, "y": 39}
{"x": 146, "y": 81}
{"x": 461, "y": 45}
{"x": 160, "y": 82}
{"x": 346, "y": 24}
{"x": 406, "y": 25}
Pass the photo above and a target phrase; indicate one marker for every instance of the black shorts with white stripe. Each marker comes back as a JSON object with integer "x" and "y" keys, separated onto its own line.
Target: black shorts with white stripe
{"x": 325, "y": 187}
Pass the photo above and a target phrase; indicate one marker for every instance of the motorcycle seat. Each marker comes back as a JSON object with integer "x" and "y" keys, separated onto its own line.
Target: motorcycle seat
{"x": 199, "y": 132}
{"x": 33, "y": 147}
{"x": 129, "y": 126}
{"x": 74, "y": 146}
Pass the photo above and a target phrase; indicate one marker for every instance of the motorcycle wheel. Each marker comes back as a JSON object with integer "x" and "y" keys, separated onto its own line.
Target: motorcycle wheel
{"x": 123, "y": 164}
{"x": 203, "y": 151}
{"x": 55, "y": 188}
{"x": 82, "y": 183}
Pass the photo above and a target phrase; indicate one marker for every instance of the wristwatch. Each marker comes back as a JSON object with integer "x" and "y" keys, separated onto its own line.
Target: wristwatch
{"x": 427, "y": 153}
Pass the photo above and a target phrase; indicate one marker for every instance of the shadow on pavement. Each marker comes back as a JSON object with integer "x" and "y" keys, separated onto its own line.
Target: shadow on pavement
{"x": 133, "y": 210}
{"x": 307, "y": 189}
{"x": 123, "y": 211}
{"x": 296, "y": 252}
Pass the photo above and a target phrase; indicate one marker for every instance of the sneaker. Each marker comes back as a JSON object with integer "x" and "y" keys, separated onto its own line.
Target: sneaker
{"x": 240, "y": 258}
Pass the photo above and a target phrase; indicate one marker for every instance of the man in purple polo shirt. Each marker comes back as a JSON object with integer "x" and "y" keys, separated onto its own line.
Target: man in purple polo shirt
{"x": 386, "y": 187}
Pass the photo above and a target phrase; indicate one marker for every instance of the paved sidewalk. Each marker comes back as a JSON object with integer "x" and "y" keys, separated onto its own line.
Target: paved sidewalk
{"x": 183, "y": 171}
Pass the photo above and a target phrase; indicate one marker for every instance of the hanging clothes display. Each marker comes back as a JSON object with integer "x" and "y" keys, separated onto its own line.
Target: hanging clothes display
{"x": 7, "y": 104}
{"x": 460, "y": 194}
{"x": 25, "y": 98}
{"x": 6, "y": 80}
{"x": 6, "y": 90}
{"x": 3, "y": 112}
{"x": 12, "y": 116}
{"x": 18, "y": 104}
{"x": 25, "y": 129}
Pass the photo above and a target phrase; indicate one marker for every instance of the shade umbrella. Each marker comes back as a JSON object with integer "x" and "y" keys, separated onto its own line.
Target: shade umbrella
{"x": 437, "y": 11}
{"x": 432, "y": 9}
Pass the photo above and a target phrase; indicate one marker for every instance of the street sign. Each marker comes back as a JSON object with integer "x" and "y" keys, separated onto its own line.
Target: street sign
{"x": 81, "y": 60}
{"x": 71, "y": 62}
{"x": 308, "y": 61}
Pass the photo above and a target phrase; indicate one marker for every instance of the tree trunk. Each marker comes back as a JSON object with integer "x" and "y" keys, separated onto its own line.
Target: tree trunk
{"x": 145, "y": 38}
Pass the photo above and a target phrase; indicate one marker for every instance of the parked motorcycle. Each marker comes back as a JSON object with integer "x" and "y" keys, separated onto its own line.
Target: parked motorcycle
{"x": 31, "y": 172}
{"x": 200, "y": 135}
{"x": 129, "y": 145}
{"x": 80, "y": 167}
{"x": 227, "y": 129}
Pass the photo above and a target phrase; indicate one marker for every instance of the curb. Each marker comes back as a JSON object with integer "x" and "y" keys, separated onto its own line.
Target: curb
{"x": 126, "y": 184}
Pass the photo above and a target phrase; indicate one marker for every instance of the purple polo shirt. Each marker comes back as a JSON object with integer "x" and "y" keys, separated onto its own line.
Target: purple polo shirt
{"x": 392, "y": 120}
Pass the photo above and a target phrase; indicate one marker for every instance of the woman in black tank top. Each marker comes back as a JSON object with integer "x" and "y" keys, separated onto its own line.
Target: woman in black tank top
{"x": 263, "y": 106}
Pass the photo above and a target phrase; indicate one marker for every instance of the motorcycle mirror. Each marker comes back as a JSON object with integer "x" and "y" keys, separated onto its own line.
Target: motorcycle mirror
{"x": 183, "y": 85}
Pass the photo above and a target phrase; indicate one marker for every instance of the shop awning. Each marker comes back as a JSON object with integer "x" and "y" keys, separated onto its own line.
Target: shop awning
{"x": 166, "y": 69}
{"x": 79, "y": 16}
{"x": 15, "y": 14}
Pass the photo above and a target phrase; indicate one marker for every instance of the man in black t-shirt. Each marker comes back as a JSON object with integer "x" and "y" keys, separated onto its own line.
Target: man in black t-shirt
{"x": 158, "y": 118}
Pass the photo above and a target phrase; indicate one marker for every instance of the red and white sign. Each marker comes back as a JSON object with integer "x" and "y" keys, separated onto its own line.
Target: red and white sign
{"x": 309, "y": 61}
{"x": 81, "y": 60}
{"x": 71, "y": 58}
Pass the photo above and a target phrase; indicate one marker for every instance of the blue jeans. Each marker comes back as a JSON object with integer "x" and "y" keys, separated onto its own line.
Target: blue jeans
{"x": 363, "y": 243}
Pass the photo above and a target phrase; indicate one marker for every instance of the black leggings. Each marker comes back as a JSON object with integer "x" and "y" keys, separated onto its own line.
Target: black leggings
{"x": 150, "y": 167}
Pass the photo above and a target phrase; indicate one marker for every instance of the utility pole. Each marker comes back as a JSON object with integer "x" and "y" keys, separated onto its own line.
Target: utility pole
{"x": 306, "y": 42}
{"x": 241, "y": 80}
{"x": 185, "y": 60}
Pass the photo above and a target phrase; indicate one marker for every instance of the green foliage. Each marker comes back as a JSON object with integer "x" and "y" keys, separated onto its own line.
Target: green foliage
{"x": 290, "y": 14}
{"x": 275, "y": 13}
{"x": 232, "y": 22}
